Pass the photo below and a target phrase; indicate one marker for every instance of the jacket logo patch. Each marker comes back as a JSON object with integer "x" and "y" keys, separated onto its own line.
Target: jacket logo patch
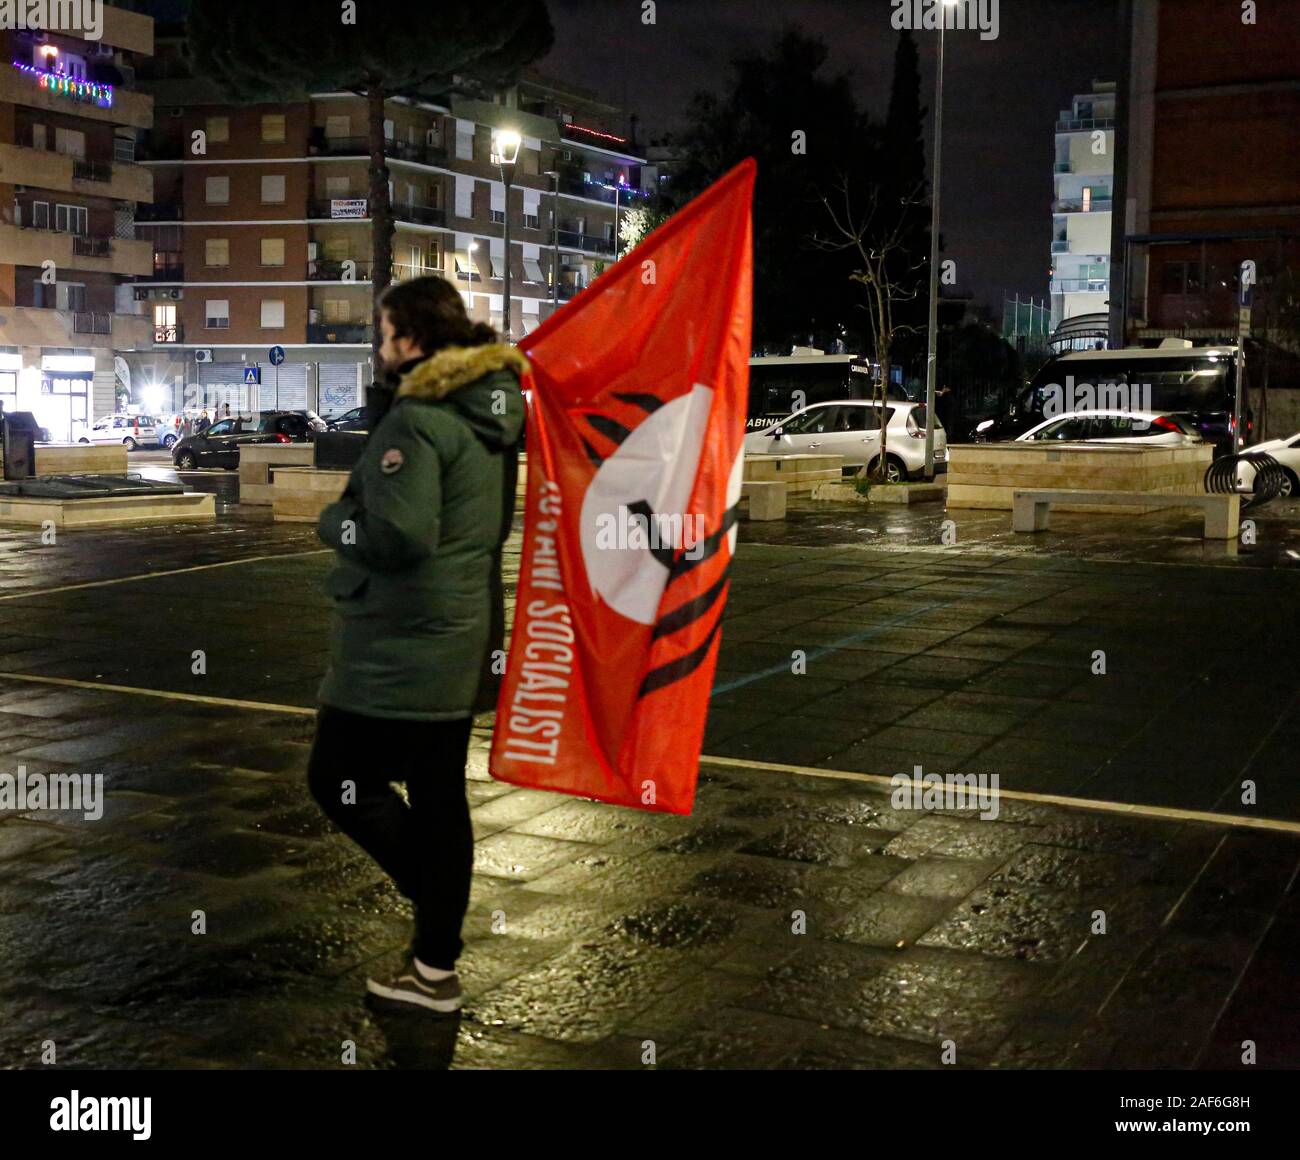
{"x": 392, "y": 461}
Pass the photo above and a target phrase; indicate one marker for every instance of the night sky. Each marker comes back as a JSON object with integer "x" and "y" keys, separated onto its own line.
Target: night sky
{"x": 1001, "y": 98}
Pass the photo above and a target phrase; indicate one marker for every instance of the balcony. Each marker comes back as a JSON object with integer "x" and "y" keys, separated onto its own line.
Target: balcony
{"x": 1080, "y": 285}
{"x": 350, "y": 270}
{"x": 338, "y": 332}
{"x": 323, "y": 146}
{"x": 596, "y": 191}
{"x": 173, "y": 272}
{"x": 47, "y": 169}
{"x": 164, "y": 334}
{"x": 1060, "y": 246}
{"x": 34, "y": 245}
{"x": 588, "y": 243}
{"x": 1061, "y": 167}
{"x": 324, "y": 210}
{"x": 46, "y": 326}
{"x": 162, "y": 211}
{"x": 424, "y": 215}
{"x": 25, "y": 88}
{"x": 1075, "y": 124}
{"x": 1076, "y": 205}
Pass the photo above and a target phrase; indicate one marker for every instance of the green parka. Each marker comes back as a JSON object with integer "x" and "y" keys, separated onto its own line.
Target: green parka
{"x": 418, "y": 531}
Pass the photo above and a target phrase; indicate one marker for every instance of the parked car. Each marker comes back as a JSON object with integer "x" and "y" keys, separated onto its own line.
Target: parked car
{"x": 131, "y": 431}
{"x": 219, "y": 445}
{"x": 1141, "y": 428}
{"x": 851, "y": 428}
{"x": 353, "y": 420}
{"x": 1287, "y": 453}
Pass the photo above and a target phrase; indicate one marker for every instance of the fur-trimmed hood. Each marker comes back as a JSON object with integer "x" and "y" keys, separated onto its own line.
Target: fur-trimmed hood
{"x": 479, "y": 383}
{"x": 454, "y": 367}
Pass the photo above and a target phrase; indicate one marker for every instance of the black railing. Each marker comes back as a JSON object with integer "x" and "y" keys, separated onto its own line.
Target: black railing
{"x": 338, "y": 332}
{"x": 321, "y": 209}
{"x": 162, "y": 211}
{"x": 590, "y": 242}
{"x": 85, "y": 322}
{"x": 165, "y": 273}
{"x": 348, "y": 270}
{"x": 425, "y": 215}
{"x": 165, "y": 333}
{"x": 92, "y": 171}
{"x": 323, "y": 146}
{"x": 87, "y": 247}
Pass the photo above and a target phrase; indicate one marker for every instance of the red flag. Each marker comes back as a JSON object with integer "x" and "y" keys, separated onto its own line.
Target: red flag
{"x": 635, "y": 429}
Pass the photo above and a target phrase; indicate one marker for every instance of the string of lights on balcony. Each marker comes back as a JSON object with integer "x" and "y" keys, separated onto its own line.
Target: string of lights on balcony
{"x": 88, "y": 92}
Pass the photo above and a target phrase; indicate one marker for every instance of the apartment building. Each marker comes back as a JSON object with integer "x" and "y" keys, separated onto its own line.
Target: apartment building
{"x": 69, "y": 182}
{"x": 1207, "y": 170}
{"x": 1083, "y": 184}
{"x": 261, "y": 225}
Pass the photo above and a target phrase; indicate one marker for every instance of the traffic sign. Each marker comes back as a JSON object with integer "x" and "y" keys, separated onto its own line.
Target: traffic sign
{"x": 253, "y": 375}
{"x": 276, "y": 356}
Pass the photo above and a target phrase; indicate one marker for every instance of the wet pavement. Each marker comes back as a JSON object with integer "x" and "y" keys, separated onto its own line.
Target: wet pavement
{"x": 796, "y": 919}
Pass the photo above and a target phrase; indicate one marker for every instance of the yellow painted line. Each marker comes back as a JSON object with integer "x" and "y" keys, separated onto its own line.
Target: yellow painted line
{"x": 164, "y": 694}
{"x": 1163, "y": 813}
{"x": 155, "y": 575}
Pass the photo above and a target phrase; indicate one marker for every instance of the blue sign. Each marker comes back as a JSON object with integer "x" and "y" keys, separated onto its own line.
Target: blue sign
{"x": 276, "y": 356}
{"x": 253, "y": 375}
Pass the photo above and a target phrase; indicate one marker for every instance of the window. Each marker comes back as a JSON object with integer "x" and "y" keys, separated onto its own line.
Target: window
{"x": 531, "y": 222}
{"x": 123, "y": 148}
{"x": 336, "y": 249}
{"x": 435, "y": 255}
{"x": 71, "y": 219}
{"x": 70, "y": 142}
{"x": 499, "y": 216}
{"x": 1180, "y": 278}
{"x": 218, "y": 129}
{"x": 338, "y": 126}
{"x": 272, "y": 188}
{"x": 272, "y": 128}
{"x": 216, "y": 252}
{"x": 465, "y": 140}
{"x": 74, "y": 296}
{"x": 337, "y": 310}
{"x": 216, "y": 190}
{"x": 41, "y": 215}
{"x": 388, "y": 129}
{"x": 814, "y": 421}
{"x": 532, "y": 271}
{"x": 272, "y": 251}
{"x": 225, "y": 427}
{"x": 216, "y": 312}
{"x": 1071, "y": 427}
{"x": 272, "y": 313}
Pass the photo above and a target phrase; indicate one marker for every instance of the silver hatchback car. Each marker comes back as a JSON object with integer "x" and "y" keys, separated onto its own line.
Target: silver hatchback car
{"x": 851, "y": 428}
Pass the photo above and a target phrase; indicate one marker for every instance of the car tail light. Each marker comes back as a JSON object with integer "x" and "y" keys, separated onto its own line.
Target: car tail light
{"x": 281, "y": 437}
{"x": 1166, "y": 424}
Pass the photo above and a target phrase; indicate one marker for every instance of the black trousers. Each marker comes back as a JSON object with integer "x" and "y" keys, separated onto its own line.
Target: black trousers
{"x": 427, "y": 848}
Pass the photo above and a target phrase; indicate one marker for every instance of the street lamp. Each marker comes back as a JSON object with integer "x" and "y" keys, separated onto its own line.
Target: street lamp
{"x": 932, "y": 337}
{"x": 554, "y": 174}
{"x": 506, "y": 144}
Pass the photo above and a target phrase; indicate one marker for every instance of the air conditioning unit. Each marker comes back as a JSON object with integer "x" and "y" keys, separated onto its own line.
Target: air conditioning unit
{"x": 173, "y": 293}
{"x": 202, "y": 356}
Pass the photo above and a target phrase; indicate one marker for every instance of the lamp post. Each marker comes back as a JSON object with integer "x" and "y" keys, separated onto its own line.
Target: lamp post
{"x": 507, "y": 143}
{"x": 554, "y": 175}
{"x": 932, "y": 334}
{"x": 618, "y": 183}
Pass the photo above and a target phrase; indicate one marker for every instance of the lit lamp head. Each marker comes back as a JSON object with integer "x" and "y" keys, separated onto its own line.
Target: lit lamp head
{"x": 506, "y": 144}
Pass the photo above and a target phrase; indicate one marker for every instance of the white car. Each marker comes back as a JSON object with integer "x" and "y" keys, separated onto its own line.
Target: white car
{"x": 131, "y": 431}
{"x": 1141, "y": 428}
{"x": 851, "y": 428}
{"x": 1287, "y": 453}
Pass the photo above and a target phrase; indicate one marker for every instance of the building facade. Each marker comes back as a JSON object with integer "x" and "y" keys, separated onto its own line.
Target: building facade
{"x": 1083, "y": 183}
{"x": 260, "y": 227}
{"x": 1209, "y": 169}
{"x": 70, "y": 114}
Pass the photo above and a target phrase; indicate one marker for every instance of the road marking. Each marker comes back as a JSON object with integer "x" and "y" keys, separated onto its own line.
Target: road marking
{"x": 1163, "y": 813}
{"x": 165, "y": 694}
{"x": 154, "y": 575}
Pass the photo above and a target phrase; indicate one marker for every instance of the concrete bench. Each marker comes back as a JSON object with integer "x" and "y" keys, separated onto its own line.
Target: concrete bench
{"x": 766, "y": 499}
{"x": 1029, "y": 507}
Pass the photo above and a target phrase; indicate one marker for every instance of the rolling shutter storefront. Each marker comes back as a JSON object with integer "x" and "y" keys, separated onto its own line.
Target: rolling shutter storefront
{"x": 290, "y": 394}
{"x": 339, "y": 387}
{"x": 224, "y": 383}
